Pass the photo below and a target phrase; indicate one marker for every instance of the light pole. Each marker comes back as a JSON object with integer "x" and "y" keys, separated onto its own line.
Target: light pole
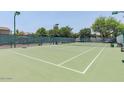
{"x": 16, "y": 13}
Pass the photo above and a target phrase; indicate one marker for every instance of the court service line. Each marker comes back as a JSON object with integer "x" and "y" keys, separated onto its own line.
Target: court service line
{"x": 74, "y": 57}
{"x": 47, "y": 62}
{"x": 91, "y": 63}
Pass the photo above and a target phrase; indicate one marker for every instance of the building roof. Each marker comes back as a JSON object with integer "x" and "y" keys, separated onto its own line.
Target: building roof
{"x": 4, "y": 28}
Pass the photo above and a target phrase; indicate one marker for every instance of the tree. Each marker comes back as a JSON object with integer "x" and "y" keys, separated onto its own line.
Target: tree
{"x": 56, "y": 30}
{"x": 51, "y": 32}
{"x": 120, "y": 29}
{"x": 85, "y": 32}
{"x": 41, "y": 32}
{"x": 66, "y": 31}
{"x": 17, "y": 32}
{"x": 99, "y": 26}
{"x": 75, "y": 35}
{"x": 22, "y": 33}
{"x": 107, "y": 27}
{"x": 113, "y": 26}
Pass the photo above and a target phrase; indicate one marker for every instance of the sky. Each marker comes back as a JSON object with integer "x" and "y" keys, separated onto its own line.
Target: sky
{"x": 30, "y": 21}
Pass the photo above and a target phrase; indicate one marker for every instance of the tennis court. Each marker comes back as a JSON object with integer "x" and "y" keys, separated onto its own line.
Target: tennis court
{"x": 73, "y": 62}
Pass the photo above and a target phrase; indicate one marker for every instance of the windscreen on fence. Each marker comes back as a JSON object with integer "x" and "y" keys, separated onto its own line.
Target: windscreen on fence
{"x": 97, "y": 39}
{"x": 7, "y": 41}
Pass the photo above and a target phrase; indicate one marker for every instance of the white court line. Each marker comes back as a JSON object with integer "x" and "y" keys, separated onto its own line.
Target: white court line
{"x": 93, "y": 60}
{"x": 38, "y": 59}
{"x": 74, "y": 57}
{"x": 65, "y": 47}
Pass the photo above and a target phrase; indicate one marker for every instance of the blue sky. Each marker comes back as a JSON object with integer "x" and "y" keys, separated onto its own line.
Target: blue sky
{"x": 31, "y": 21}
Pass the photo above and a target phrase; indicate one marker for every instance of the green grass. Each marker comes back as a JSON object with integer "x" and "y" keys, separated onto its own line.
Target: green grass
{"x": 43, "y": 63}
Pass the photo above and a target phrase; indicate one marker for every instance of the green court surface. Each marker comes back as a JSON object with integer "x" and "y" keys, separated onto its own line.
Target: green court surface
{"x": 89, "y": 62}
